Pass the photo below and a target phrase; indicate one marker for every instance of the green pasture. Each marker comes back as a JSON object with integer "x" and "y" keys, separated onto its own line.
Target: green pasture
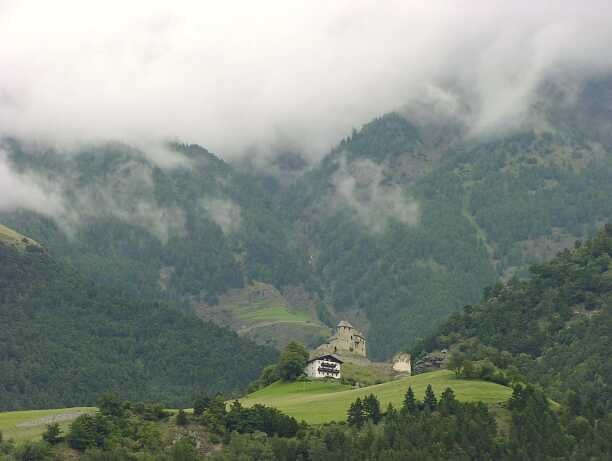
{"x": 30, "y": 424}
{"x": 318, "y": 402}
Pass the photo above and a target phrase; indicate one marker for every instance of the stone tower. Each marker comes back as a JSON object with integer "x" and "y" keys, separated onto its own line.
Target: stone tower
{"x": 347, "y": 339}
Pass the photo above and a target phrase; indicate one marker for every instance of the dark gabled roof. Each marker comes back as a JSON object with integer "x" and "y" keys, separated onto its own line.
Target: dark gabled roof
{"x": 329, "y": 357}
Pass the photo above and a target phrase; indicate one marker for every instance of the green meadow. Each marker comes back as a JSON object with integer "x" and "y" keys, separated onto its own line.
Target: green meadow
{"x": 19, "y": 425}
{"x": 315, "y": 402}
{"x": 15, "y": 239}
{"x": 319, "y": 402}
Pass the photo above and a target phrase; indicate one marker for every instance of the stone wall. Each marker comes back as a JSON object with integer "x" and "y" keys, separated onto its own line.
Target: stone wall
{"x": 346, "y": 340}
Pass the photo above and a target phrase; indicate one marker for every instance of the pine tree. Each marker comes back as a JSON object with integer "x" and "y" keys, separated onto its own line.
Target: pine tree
{"x": 430, "y": 401}
{"x": 371, "y": 408}
{"x": 410, "y": 404}
{"x": 391, "y": 412}
{"x": 356, "y": 415}
{"x": 201, "y": 404}
{"x": 448, "y": 403}
{"x": 517, "y": 401}
{"x": 52, "y": 435}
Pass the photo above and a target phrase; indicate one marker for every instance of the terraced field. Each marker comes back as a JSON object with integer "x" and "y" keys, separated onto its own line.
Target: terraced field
{"x": 319, "y": 402}
{"x": 260, "y": 312}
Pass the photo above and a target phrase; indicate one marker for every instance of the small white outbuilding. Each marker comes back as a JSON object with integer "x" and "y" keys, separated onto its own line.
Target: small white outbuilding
{"x": 324, "y": 366}
{"x": 401, "y": 363}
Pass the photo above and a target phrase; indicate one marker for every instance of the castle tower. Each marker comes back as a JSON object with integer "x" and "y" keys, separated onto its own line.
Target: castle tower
{"x": 347, "y": 339}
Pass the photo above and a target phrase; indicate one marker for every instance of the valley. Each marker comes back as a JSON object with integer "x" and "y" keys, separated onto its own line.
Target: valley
{"x": 297, "y": 231}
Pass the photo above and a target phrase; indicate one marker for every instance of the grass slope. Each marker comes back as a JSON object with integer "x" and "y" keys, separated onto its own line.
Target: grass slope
{"x": 20, "y": 425}
{"x": 260, "y": 312}
{"x": 320, "y": 402}
{"x": 15, "y": 239}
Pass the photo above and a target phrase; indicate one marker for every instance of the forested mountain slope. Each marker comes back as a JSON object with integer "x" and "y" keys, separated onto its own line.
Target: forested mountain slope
{"x": 554, "y": 329}
{"x": 186, "y": 232}
{"x": 196, "y": 227}
{"x": 410, "y": 219}
{"x": 65, "y": 339}
{"x": 401, "y": 224}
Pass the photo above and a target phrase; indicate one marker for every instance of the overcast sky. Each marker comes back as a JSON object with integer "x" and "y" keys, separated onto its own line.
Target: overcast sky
{"x": 234, "y": 76}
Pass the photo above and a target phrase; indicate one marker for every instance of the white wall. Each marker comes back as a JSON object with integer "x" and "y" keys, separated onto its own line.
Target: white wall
{"x": 312, "y": 370}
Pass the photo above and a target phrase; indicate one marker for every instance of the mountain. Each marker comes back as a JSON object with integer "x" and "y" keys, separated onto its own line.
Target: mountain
{"x": 187, "y": 233}
{"x": 402, "y": 223}
{"x": 65, "y": 339}
{"x": 553, "y": 329}
{"x": 412, "y": 216}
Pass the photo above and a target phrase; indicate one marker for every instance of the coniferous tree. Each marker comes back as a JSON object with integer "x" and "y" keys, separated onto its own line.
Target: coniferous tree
{"x": 410, "y": 404}
{"x": 517, "y": 401}
{"x": 52, "y": 435}
{"x": 201, "y": 404}
{"x": 391, "y": 412}
{"x": 448, "y": 402}
{"x": 356, "y": 416}
{"x": 371, "y": 408}
{"x": 430, "y": 402}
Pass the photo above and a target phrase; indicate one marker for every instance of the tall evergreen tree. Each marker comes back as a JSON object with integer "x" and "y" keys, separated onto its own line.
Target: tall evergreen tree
{"x": 448, "y": 402}
{"x": 371, "y": 408}
{"x": 430, "y": 402}
{"x": 356, "y": 416}
{"x": 410, "y": 404}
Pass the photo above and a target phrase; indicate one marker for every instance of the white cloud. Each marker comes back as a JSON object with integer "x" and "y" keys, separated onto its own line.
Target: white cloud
{"x": 126, "y": 195}
{"x": 359, "y": 185}
{"x": 240, "y": 75}
{"x": 225, "y": 213}
{"x": 27, "y": 191}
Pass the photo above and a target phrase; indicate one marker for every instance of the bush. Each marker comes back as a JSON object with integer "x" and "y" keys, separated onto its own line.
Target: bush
{"x": 110, "y": 405}
{"x": 53, "y": 434}
{"x": 483, "y": 369}
{"x": 181, "y": 418}
{"x": 184, "y": 450}
{"x": 88, "y": 431}
{"x": 33, "y": 451}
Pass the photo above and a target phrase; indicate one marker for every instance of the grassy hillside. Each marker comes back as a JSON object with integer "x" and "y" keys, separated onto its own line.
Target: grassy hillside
{"x": 20, "y": 425}
{"x": 14, "y": 239}
{"x": 319, "y": 402}
{"x": 262, "y": 313}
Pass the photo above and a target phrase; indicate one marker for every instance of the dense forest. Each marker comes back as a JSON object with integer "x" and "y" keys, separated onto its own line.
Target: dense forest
{"x": 65, "y": 339}
{"x": 401, "y": 224}
{"x": 487, "y": 209}
{"x": 554, "y": 329}
{"x": 193, "y": 230}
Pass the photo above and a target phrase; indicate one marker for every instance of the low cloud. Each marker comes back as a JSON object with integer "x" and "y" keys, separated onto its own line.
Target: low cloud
{"x": 127, "y": 195}
{"x": 251, "y": 77}
{"x": 360, "y": 187}
{"x": 27, "y": 191}
{"x": 225, "y": 213}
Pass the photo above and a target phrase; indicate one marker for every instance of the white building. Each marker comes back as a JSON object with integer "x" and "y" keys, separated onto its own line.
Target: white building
{"x": 401, "y": 363}
{"x": 324, "y": 366}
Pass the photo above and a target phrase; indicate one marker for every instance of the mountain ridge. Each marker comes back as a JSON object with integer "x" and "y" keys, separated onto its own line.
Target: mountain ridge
{"x": 66, "y": 339}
